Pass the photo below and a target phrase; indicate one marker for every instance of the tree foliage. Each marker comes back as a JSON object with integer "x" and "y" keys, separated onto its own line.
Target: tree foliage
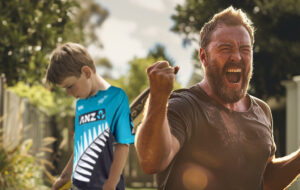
{"x": 136, "y": 80}
{"x": 29, "y": 30}
{"x": 104, "y": 66}
{"x": 277, "y": 39}
{"x": 90, "y": 16}
{"x": 19, "y": 169}
{"x": 51, "y": 103}
{"x": 198, "y": 71}
{"x": 159, "y": 52}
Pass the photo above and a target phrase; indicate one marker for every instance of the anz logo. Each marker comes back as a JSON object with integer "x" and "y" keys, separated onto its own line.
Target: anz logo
{"x": 92, "y": 116}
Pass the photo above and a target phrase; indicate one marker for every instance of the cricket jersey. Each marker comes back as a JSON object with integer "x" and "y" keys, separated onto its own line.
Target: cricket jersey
{"x": 101, "y": 120}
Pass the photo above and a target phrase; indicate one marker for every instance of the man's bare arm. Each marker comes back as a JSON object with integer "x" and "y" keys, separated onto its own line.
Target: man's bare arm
{"x": 155, "y": 145}
{"x": 281, "y": 172}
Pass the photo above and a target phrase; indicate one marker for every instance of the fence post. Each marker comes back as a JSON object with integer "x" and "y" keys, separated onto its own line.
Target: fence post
{"x": 2, "y": 82}
{"x": 293, "y": 119}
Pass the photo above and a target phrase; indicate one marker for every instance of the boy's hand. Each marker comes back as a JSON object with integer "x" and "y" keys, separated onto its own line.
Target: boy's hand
{"x": 59, "y": 182}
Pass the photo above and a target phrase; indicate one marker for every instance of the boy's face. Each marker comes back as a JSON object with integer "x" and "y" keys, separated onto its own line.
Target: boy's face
{"x": 77, "y": 87}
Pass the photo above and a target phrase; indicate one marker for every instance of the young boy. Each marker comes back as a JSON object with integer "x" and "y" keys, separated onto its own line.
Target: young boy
{"x": 102, "y": 117}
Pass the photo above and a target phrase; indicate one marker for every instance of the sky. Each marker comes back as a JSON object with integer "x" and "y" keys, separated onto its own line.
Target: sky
{"x": 133, "y": 27}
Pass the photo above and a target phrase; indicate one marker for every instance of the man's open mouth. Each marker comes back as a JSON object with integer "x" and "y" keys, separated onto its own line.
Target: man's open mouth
{"x": 234, "y": 75}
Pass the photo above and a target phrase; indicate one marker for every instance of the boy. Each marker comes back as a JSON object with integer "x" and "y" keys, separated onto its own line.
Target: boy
{"x": 102, "y": 117}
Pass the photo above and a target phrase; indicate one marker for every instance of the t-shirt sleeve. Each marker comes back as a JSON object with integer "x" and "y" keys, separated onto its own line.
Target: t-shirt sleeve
{"x": 268, "y": 112}
{"x": 179, "y": 118}
{"x": 123, "y": 127}
{"x": 273, "y": 148}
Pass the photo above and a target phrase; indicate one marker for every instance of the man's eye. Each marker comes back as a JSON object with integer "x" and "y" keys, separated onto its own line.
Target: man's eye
{"x": 246, "y": 50}
{"x": 225, "y": 49}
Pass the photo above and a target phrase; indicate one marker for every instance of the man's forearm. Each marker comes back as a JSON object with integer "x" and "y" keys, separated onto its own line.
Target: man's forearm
{"x": 153, "y": 138}
{"x": 281, "y": 172}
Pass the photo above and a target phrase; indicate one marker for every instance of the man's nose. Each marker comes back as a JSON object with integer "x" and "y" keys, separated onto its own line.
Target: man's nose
{"x": 235, "y": 56}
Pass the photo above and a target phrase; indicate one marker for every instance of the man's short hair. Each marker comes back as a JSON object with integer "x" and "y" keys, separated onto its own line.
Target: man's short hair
{"x": 67, "y": 60}
{"x": 229, "y": 17}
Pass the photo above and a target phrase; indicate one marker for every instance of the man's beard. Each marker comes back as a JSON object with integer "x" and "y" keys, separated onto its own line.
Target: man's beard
{"x": 216, "y": 77}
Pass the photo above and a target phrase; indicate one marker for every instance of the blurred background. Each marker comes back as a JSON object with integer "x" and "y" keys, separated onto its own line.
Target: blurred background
{"x": 125, "y": 37}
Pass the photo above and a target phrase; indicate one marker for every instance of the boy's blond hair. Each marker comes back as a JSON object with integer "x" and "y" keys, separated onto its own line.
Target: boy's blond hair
{"x": 67, "y": 60}
{"x": 229, "y": 17}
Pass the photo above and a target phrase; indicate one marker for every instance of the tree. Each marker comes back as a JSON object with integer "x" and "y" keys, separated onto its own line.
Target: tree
{"x": 90, "y": 15}
{"x": 198, "y": 70}
{"x": 31, "y": 29}
{"x": 136, "y": 80}
{"x": 159, "y": 52}
{"x": 277, "y": 39}
{"x": 104, "y": 66}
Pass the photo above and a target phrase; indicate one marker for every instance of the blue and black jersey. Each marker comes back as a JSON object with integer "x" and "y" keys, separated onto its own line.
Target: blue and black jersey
{"x": 100, "y": 121}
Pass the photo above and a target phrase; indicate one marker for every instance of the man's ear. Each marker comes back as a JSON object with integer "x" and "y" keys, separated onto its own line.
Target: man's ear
{"x": 86, "y": 71}
{"x": 203, "y": 56}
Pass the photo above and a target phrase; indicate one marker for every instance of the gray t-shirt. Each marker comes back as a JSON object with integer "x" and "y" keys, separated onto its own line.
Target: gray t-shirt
{"x": 219, "y": 148}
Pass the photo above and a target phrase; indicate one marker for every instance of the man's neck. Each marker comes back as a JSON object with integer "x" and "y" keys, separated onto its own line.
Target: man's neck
{"x": 239, "y": 106}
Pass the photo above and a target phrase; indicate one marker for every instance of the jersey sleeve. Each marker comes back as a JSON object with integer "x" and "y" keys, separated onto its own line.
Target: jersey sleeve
{"x": 123, "y": 126}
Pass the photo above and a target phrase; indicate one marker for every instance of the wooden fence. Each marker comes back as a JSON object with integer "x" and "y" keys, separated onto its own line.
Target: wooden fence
{"x": 20, "y": 120}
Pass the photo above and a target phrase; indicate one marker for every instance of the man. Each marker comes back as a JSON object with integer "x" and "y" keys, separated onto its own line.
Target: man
{"x": 213, "y": 135}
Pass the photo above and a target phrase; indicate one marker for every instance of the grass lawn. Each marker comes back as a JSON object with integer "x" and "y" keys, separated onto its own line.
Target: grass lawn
{"x": 127, "y": 188}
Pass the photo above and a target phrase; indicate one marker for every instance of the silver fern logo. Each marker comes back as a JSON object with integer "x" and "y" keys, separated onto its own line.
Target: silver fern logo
{"x": 87, "y": 150}
{"x": 102, "y": 99}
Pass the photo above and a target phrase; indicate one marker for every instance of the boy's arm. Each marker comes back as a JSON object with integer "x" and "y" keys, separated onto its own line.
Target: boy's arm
{"x": 65, "y": 175}
{"x": 120, "y": 156}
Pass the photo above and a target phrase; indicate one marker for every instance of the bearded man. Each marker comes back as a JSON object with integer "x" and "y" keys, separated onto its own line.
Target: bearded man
{"x": 213, "y": 135}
